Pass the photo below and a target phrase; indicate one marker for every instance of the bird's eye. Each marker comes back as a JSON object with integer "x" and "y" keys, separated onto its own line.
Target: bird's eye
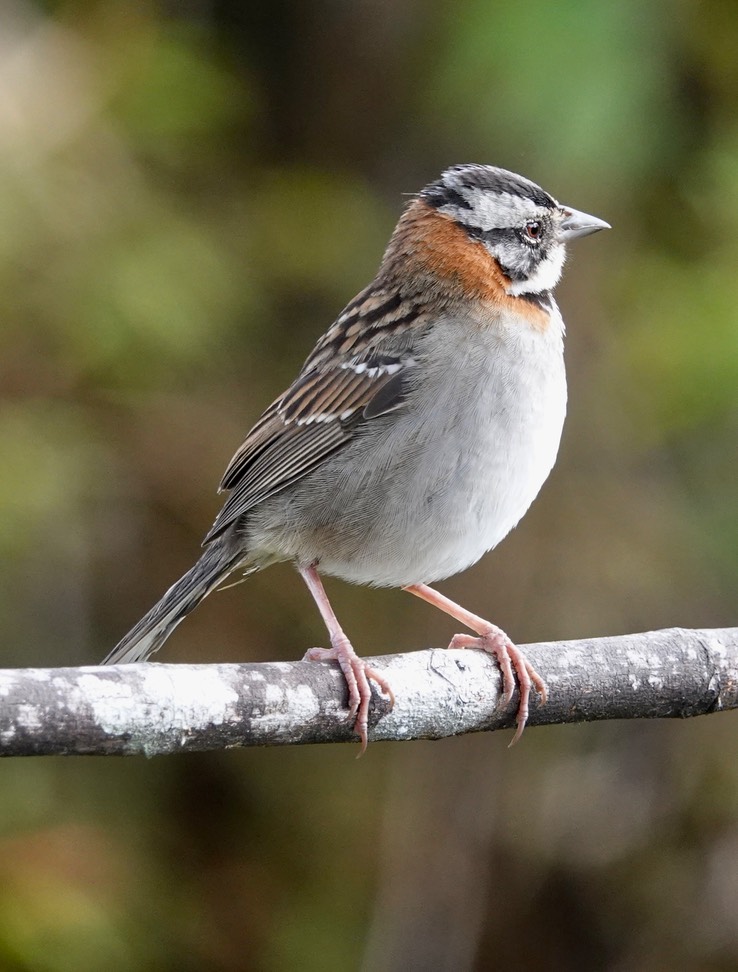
{"x": 533, "y": 230}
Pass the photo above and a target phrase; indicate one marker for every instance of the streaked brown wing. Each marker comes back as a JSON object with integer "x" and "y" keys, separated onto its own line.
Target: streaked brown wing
{"x": 355, "y": 373}
{"x": 290, "y": 454}
{"x": 314, "y": 418}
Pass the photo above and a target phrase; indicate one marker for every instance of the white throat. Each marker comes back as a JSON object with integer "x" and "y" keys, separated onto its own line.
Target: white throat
{"x": 544, "y": 277}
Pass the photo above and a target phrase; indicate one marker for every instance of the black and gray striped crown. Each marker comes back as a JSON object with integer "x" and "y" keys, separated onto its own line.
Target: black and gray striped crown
{"x": 461, "y": 187}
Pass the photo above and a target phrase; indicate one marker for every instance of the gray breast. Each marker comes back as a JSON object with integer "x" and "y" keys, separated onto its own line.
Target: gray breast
{"x": 424, "y": 492}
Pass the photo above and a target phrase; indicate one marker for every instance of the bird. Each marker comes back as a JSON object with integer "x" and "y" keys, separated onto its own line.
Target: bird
{"x": 417, "y": 433}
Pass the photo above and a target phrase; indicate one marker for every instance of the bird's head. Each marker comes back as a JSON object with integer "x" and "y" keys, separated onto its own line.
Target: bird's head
{"x": 519, "y": 224}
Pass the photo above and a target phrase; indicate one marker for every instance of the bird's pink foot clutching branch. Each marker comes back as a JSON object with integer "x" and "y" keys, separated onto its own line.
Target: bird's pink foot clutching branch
{"x": 492, "y": 639}
{"x": 512, "y": 661}
{"x": 356, "y": 671}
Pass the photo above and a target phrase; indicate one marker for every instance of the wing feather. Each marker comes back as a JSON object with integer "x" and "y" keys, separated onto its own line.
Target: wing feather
{"x": 355, "y": 374}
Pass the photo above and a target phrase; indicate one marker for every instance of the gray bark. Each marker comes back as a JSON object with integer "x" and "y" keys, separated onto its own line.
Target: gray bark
{"x": 153, "y": 709}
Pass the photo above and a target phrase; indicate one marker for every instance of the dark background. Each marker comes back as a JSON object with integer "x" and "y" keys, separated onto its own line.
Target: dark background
{"x": 189, "y": 193}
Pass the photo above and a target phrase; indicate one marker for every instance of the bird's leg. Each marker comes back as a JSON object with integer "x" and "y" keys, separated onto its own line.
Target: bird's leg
{"x": 494, "y": 640}
{"x": 356, "y": 671}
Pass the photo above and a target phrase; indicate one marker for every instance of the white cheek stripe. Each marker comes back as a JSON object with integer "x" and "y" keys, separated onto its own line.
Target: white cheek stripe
{"x": 545, "y": 276}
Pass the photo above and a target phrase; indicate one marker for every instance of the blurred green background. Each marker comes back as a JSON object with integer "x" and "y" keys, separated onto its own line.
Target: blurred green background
{"x": 189, "y": 194}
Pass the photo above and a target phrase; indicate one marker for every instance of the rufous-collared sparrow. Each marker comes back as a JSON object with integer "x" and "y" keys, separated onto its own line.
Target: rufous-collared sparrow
{"x": 418, "y": 431}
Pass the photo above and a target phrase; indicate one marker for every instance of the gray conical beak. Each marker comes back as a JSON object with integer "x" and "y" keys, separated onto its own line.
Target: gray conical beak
{"x": 577, "y": 224}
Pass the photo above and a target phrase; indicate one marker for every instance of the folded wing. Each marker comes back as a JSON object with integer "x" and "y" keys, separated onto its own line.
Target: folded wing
{"x": 356, "y": 373}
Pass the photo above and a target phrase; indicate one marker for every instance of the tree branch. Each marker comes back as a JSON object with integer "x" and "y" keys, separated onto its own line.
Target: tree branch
{"x": 153, "y": 709}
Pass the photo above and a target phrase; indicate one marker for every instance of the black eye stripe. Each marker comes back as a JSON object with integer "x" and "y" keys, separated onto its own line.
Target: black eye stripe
{"x": 507, "y": 233}
{"x": 500, "y": 235}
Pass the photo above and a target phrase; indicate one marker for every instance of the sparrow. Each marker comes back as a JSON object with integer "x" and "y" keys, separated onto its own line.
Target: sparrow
{"x": 418, "y": 432}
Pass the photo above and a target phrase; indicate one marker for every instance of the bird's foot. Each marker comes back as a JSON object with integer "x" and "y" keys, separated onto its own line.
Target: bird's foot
{"x": 510, "y": 659}
{"x": 357, "y": 674}
{"x": 494, "y": 640}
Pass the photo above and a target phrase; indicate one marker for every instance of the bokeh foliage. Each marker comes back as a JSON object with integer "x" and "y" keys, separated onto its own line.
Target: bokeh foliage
{"x": 188, "y": 196}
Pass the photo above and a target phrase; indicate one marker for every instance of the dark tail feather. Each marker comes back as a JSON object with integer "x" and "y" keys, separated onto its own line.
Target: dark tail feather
{"x": 217, "y": 561}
